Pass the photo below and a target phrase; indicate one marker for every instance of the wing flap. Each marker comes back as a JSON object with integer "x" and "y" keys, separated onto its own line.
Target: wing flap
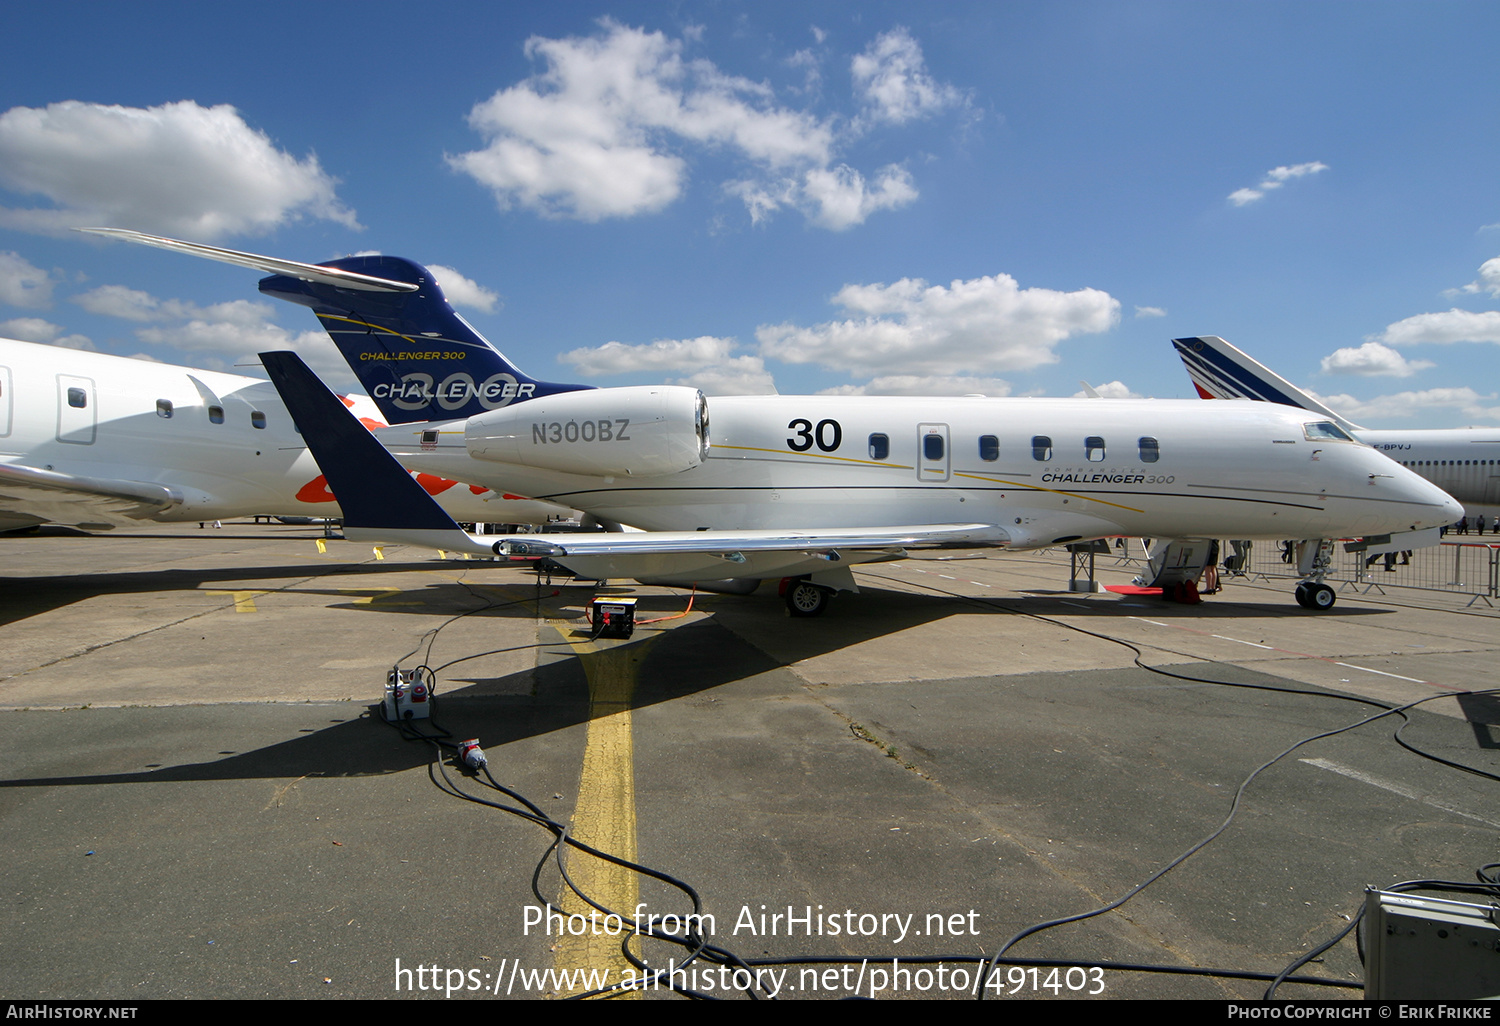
{"x": 32, "y": 495}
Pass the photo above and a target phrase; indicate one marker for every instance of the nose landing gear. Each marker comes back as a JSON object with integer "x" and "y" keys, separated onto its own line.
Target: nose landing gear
{"x": 1315, "y": 595}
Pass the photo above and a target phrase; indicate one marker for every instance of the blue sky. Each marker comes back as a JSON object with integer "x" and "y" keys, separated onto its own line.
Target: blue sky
{"x": 869, "y": 198}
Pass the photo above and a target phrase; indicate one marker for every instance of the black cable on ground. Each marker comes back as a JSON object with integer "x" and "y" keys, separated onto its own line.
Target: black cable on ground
{"x": 697, "y": 947}
{"x": 1386, "y": 710}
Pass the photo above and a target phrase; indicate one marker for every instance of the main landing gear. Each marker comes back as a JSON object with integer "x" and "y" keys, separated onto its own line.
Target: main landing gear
{"x": 1315, "y": 595}
{"x": 804, "y": 598}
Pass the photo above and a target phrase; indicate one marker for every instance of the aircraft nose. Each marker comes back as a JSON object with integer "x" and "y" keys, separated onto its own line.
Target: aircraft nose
{"x": 1438, "y": 507}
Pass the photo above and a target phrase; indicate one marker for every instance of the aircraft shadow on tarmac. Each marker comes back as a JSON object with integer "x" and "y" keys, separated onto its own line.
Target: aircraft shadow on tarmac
{"x": 28, "y": 595}
{"x": 671, "y": 663}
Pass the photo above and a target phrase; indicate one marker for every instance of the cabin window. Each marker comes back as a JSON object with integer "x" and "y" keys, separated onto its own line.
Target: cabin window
{"x": 880, "y": 447}
{"x": 1041, "y": 448}
{"x": 257, "y": 419}
{"x": 932, "y": 447}
{"x": 1150, "y": 449}
{"x": 1093, "y": 449}
{"x": 164, "y": 409}
{"x": 989, "y": 448}
{"x": 216, "y": 414}
{"x": 78, "y": 398}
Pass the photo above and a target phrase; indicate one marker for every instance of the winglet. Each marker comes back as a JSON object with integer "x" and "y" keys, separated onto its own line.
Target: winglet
{"x": 379, "y": 499}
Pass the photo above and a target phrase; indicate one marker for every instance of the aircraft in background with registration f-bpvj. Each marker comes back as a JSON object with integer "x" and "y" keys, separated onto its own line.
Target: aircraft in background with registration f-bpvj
{"x": 96, "y": 442}
{"x": 799, "y": 487}
{"x": 1464, "y": 462}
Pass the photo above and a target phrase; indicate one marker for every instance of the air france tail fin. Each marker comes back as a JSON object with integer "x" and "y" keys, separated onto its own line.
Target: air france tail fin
{"x": 1221, "y": 371}
{"x": 415, "y": 356}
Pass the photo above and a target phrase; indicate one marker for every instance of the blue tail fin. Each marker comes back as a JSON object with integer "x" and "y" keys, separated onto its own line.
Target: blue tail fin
{"x": 415, "y": 356}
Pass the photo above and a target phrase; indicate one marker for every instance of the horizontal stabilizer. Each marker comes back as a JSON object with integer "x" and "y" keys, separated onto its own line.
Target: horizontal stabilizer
{"x": 271, "y": 265}
{"x": 411, "y": 351}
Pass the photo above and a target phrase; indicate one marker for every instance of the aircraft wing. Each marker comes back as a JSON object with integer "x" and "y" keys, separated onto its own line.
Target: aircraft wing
{"x": 30, "y": 496}
{"x": 382, "y": 503}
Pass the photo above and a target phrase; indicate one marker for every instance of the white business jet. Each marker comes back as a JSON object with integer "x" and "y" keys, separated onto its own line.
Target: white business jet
{"x": 95, "y": 442}
{"x": 1464, "y": 462}
{"x": 800, "y": 487}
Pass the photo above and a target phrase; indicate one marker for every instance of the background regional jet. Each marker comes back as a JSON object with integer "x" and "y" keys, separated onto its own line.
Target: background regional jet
{"x": 95, "y": 441}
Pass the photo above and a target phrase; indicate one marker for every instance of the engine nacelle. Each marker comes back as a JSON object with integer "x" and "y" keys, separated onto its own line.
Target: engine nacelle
{"x": 637, "y": 431}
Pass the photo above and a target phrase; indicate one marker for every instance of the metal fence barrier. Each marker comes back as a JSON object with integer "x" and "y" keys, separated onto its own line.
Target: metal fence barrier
{"x": 1454, "y": 567}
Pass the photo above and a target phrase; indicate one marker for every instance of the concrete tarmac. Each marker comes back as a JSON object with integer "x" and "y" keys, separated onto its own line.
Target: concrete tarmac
{"x": 195, "y": 800}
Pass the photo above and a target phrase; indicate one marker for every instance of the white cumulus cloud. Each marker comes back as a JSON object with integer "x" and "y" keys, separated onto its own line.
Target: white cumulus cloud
{"x": 1450, "y": 326}
{"x": 838, "y": 197}
{"x": 919, "y": 384}
{"x": 892, "y": 80}
{"x": 1149, "y": 311}
{"x": 1275, "y": 179}
{"x": 663, "y": 355}
{"x": 462, "y": 291}
{"x": 35, "y": 329}
{"x": 23, "y": 285}
{"x": 612, "y": 124}
{"x": 179, "y": 169}
{"x": 739, "y": 375}
{"x": 1488, "y": 281}
{"x": 221, "y": 336}
{"x": 1111, "y": 390}
{"x": 1408, "y": 404}
{"x": 589, "y": 136}
{"x": 706, "y": 362}
{"x": 1372, "y": 360}
{"x": 982, "y": 324}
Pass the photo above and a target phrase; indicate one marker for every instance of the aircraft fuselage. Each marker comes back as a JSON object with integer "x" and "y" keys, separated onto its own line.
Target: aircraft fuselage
{"x": 1044, "y": 470}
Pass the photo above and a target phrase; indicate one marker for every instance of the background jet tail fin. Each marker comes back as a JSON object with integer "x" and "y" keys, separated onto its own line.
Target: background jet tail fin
{"x": 1222, "y": 371}
{"x": 418, "y": 359}
{"x": 414, "y": 355}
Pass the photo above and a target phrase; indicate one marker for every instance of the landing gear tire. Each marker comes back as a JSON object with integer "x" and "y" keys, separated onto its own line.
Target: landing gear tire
{"x": 804, "y": 598}
{"x": 1316, "y": 596}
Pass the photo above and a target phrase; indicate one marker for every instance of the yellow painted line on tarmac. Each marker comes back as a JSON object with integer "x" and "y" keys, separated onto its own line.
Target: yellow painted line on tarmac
{"x": 244, "y": 601}
{"x": 605, "y": 813}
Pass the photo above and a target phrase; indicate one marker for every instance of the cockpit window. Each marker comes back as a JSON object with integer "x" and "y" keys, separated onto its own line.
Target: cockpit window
{"x": 1323, "y": 430}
